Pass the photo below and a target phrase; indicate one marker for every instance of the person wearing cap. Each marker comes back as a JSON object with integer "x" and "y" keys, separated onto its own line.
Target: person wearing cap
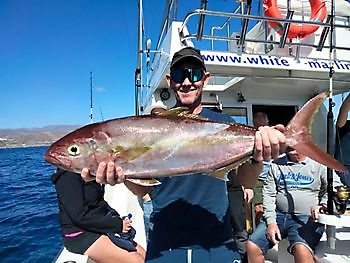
{"x": 190, "y": 219}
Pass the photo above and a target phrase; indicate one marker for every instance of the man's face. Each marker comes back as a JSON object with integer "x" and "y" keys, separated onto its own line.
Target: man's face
{"x": 260, "y": 119}
{"x": 187, "y": 81}
{"x": 295, "y": 156}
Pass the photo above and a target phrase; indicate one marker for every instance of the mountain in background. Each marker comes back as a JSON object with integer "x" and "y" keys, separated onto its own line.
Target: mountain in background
{"x": 24, "y": 137}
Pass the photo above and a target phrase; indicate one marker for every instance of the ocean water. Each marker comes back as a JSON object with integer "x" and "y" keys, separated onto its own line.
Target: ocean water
{"x": 29, "y": 227}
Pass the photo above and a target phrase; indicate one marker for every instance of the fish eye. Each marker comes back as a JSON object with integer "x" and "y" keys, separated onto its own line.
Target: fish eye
{"x": 73, "y": 150}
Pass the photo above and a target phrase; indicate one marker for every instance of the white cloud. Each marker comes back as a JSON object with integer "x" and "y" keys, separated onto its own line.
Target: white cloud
{"x": 100, "y": 89}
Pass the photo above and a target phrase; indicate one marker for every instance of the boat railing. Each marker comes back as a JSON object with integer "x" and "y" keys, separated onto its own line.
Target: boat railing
{"x": 198, "y": 36}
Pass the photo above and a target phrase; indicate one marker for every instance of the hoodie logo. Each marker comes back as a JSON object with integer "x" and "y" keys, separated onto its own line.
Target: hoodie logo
{"x": 294, "y": 180}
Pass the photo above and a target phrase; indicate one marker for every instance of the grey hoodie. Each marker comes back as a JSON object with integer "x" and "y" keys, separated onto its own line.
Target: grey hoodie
{"x": 294, "y": 187}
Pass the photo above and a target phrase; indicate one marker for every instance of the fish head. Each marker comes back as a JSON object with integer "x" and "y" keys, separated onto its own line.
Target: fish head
{"x": 80, "y": 149}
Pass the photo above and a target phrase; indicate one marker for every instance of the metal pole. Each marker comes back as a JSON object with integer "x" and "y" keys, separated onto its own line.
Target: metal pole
{"x": 138, "y": 71}
{"x": 201, "y": 20}
{"x": 91, "y": 105}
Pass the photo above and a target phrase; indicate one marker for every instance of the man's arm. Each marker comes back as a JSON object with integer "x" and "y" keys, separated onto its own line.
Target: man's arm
{"x": 269, "y": 197}
{"x": 343, "y": 112}
{"x": 269, "y": 203}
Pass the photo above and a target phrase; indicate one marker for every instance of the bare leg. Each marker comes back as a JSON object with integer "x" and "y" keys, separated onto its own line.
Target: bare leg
{"x": 255, "y": 254}
{"x": 302, "y": 254}
{"x": 259, "y": 211}
{"x": 104, "y": 251}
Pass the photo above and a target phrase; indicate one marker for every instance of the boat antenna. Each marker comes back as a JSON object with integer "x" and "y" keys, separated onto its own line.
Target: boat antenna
{"x": 91, "y": 106}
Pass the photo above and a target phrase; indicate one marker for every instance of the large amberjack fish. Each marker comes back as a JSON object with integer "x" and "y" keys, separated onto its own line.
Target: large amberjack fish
{"x": 175, "y": 143}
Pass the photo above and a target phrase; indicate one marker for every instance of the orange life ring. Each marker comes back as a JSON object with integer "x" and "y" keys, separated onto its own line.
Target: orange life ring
{"x": 318, "y": 14}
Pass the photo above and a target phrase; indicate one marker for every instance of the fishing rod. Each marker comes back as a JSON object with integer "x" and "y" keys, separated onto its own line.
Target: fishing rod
{"x": 330, "y": 116}
{"x": 330, "y": 230}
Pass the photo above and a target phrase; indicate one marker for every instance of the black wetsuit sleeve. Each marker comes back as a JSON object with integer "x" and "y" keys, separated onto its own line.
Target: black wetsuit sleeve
{"x": 84, "y": 205}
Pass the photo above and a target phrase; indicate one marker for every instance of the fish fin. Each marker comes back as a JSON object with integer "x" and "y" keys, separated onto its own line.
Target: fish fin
{"x": 298, "y": 134}
{"x": 181, "y": 112}
{"x": 144, "y": 182}
{"x": 132, "y": 153}
{"x": 222, "y": 172}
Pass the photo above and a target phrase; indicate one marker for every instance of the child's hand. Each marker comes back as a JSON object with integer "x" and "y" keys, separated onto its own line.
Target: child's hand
{"x": 126, "y": 223}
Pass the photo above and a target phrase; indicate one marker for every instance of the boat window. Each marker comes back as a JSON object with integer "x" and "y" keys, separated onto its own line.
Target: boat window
{"x": 277, "y": 114}
{"x": 238, "y": 114}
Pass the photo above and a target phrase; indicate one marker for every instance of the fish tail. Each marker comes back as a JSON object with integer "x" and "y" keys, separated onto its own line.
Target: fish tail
{"x": 298, "y": 134}
{"x": 144, "y": 182}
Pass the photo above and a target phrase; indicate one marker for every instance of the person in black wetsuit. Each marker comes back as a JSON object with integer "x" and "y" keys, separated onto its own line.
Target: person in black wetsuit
{"x": 89, "y": 225}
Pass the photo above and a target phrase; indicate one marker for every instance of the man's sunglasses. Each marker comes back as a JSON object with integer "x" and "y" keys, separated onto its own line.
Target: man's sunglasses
{"x": 193, "y": 74}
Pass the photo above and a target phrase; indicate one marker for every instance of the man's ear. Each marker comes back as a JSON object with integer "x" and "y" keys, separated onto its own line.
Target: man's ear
{"x": 206, "y": 78}
{"x": 168, "y": 79}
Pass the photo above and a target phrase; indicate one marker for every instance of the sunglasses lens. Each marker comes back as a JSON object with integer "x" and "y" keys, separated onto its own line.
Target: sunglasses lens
{"x": 196, "y": 74}
{"x": 177, "y": 75}
{"x": 193, "y": 74}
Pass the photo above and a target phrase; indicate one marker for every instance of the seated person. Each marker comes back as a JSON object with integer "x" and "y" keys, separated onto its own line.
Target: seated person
{"x": 342, "y": 151}
{"x": 293, "y": 185}
{"x": 89, "y": 225}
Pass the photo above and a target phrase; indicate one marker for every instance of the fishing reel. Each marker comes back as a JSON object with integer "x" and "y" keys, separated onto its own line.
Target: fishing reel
{"x": 341, "y": 198}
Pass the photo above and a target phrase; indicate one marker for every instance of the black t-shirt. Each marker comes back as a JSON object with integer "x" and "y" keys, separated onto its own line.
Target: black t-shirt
{"x": 192, "y": 210}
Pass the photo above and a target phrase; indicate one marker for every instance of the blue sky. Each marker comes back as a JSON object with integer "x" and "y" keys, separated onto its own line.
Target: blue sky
{"x": 48, "y": 48}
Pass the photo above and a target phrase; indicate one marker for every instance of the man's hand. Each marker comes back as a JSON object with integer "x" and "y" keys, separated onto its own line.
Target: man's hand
{"x": 105, "y": 174}
{"x": 273, "y": 233}
{"x": 248, "y": 194}
{"x": 270, "y": 142}
{"x": 316, "y": 210}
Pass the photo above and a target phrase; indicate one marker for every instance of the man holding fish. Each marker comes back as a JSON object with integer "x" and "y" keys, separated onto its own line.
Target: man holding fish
{"x": 186, "y": 152}
{"x": 191, "y": 216}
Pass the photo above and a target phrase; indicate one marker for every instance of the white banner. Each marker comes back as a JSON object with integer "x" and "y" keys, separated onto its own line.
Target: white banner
{"x": 273, "y": 62}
